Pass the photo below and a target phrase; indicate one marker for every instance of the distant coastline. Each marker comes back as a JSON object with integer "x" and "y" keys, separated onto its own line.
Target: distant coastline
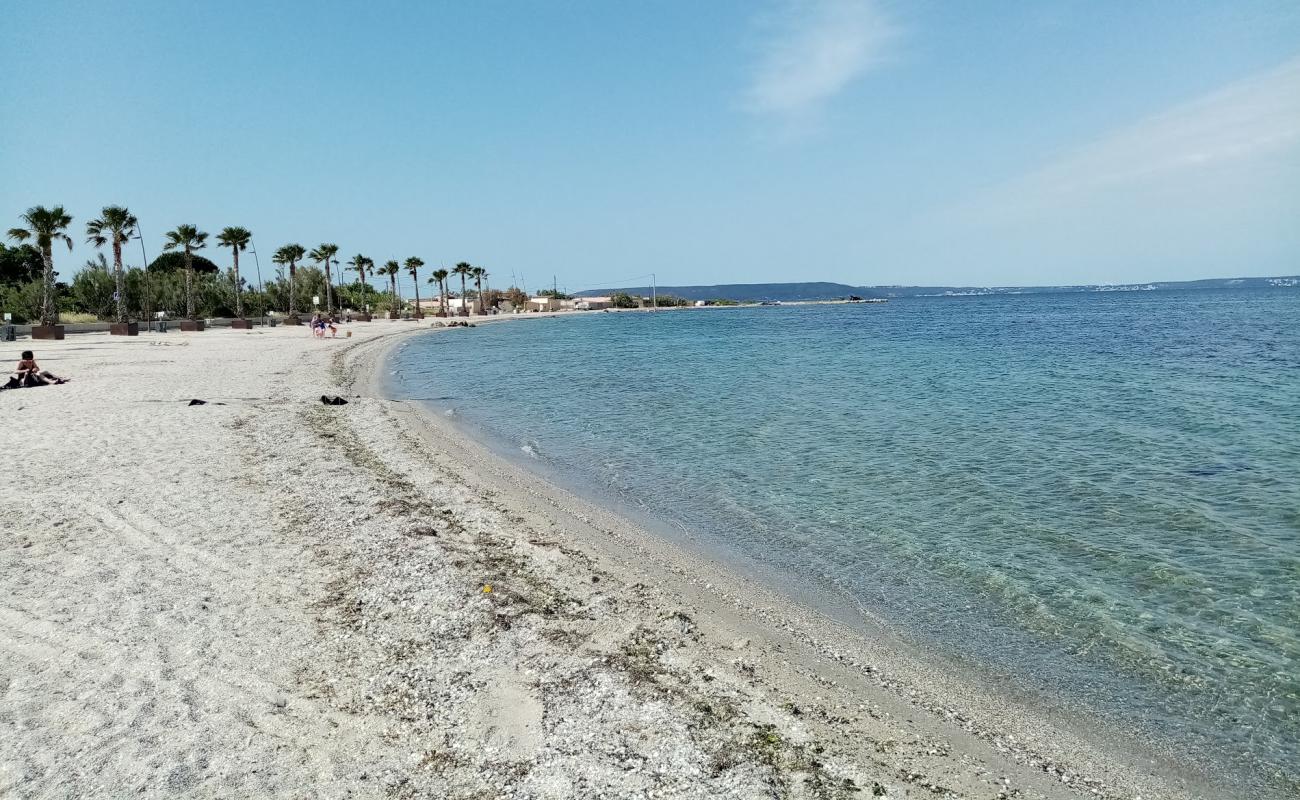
{"x": 823, "y": 290}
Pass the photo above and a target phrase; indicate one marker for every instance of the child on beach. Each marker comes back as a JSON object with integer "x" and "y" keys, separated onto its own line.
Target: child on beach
{"x": 29, "y": 373}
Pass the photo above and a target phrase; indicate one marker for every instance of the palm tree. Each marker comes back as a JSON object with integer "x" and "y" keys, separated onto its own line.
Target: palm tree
{"x": 324, "y": 255}
{"x": 391, "y": 269}
{"x": 236, "y": 239}
{"x": 463, "y": 270}
{"x": 289, "y": 255}
{"x": 413, "y": 265}
{"x": 359, "y": 265}
{"x": 115, "y": 226}
{"x": 479, "y": 274}
{"x": 440, "y": 277}
{"x": 46, "y": 226}
{"x": 189, "y": 238}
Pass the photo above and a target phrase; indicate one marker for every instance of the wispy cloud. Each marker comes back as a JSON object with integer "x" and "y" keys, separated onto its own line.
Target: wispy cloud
{"x": 1244, "y": 121}
{"x": 810, "y": 50}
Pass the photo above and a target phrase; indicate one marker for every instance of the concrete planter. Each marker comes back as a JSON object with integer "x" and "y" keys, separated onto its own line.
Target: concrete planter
{"x": 124, "y": 329}
{"x": 293, "y": 319}
{"x": 47, "y": 331}
{"x": 192, "y": 325}
{"x": 241, "y": 324}
{"x": 363, "y": 318}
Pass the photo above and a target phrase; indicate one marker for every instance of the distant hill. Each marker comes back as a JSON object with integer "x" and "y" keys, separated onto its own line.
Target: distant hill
{"x": 821, "y": 290}
{"x": 744, "y": 292}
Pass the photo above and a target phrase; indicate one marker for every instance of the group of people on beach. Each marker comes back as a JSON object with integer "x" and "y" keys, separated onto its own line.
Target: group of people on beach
{"x": 29, "y": 374}
{"x": 321, "y": 323}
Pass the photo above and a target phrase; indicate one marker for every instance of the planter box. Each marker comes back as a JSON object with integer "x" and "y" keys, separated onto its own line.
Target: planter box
{"x": 241, "y": 324}
{"x": 363, "y": 318}
{"x": 192, "y": 325}
{"x": 394, "y": 315}
{"x": 293, "y": 319}
{"x": 47, "y": 331}
{"x": 124, "y": 329}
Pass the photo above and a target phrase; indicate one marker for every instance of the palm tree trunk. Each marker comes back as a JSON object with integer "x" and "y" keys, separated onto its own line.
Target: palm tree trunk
{"x": 293, "y": 273}
{"x": 49, "y": 316}
{"x": 442, "y": 295}
{"x": 239, "y": 296}
{"x": 416, "y": 281}
{"x": 189, "y": 284}
{"x": 482, "y": 305}
{"x": 120, "y": 280}
{"x": 464, "y": 309}
{"x": 329, "y": 301}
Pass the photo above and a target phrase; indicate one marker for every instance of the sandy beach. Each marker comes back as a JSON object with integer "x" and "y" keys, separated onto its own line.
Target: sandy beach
{"x": 267, "y": 596}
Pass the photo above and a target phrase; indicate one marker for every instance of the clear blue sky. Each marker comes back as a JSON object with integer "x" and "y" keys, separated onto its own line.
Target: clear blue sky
{"x": 863, "y": 142}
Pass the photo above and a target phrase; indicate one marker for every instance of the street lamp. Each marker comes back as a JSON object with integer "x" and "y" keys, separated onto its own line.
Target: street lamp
{"x": 147, "y": 305}
{"x": 261, "y": 301}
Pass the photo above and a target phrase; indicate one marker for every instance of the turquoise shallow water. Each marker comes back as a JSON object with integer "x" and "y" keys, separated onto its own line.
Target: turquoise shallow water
{"x": 1093, "y": 495}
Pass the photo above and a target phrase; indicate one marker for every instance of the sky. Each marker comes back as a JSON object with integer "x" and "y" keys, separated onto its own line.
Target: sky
{"x": 593, "y": 143}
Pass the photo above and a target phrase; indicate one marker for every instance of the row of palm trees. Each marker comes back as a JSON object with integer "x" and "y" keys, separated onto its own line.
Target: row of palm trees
{"x": 116, "y": 225}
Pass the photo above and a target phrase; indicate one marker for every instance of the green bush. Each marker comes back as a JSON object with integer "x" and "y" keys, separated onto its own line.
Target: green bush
{"x": 92, "y": 290}
{"x": 23, "y": 300}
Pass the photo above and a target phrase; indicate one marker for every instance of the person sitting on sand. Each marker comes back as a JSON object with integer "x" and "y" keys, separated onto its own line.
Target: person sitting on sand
{"x": 29, "y": 373}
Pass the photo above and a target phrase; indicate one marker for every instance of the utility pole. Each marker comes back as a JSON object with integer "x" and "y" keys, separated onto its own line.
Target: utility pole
{"x": 654, "y": 294}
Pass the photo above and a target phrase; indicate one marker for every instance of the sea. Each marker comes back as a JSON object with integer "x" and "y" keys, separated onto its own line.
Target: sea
{"x": 1094, "y": 497}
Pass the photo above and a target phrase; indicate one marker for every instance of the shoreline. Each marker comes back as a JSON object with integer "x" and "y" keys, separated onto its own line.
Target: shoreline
{"x": 858, "y": 647}
{"x": 266, "y": 595}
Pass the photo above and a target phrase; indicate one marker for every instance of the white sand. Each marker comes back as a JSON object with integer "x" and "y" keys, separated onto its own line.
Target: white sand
{"x": 271, "y": 597}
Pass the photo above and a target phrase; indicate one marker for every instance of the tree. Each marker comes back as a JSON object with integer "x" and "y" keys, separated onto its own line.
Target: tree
{"x": 289, "y": 256}
{"x": 93, "y": 289}
{"x": 325, "y": 255}
{"x": 479, "y": 274}
{"x": 464, "y": 270}
{"x": 517, "y": 297}
{"x": 45, "y": 226}
{"x": 391, "y": 269}
{"x": 440, "y": 277}
{"x": 19, "y": 264}
{"x": 360, "y": 264}
{"x": 175, "y": 262}
{"x": 413, "y": 265}
{"x": 189, "y": 238}
{"x": 114, "y": 226}
{"x": 237, "y": 240}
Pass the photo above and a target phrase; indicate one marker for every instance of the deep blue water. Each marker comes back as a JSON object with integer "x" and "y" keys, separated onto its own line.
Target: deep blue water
{"x": 1097, "y": 495}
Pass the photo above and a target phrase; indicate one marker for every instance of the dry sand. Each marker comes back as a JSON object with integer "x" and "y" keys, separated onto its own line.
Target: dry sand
{"x": 266, "y": 596}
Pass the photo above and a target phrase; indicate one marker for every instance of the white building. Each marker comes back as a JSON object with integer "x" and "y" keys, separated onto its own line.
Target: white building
{"x": 456, "y": 304}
